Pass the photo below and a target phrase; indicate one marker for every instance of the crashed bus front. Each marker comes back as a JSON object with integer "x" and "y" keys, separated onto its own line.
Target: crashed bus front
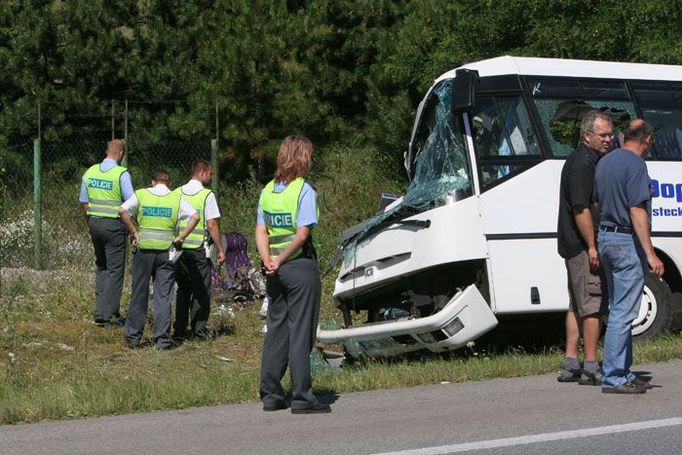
{"x": 416, "y": 272}
{"x": 474, "y": 236}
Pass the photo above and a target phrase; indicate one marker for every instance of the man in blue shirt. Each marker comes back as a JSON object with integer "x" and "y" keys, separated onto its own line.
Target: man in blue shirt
{"x": 623, "y": 191}
{"x": 104, "y": 186}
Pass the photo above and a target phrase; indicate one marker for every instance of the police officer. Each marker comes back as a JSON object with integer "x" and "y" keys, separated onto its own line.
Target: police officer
{"x": 104, "y": 186}
{"x": 193, "y": 273}
{"x": 158, "y": 211}
{"x": 287, "y": 214}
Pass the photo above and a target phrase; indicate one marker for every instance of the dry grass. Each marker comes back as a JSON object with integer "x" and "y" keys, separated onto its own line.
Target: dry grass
{"x": 56, "y": 364}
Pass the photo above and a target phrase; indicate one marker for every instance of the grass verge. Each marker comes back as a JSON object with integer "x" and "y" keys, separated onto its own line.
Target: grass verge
{"x": 55, "y": 364}
{"x": 58, "y": 365}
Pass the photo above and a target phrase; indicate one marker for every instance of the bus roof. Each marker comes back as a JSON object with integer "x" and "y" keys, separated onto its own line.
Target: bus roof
{"x": 570, "y": 68}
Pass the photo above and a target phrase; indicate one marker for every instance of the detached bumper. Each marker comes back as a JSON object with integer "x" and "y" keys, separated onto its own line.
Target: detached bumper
{"x": 464, "y": 318}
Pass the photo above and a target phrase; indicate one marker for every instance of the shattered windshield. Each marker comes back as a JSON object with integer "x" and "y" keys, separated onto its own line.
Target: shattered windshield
{"x": 440, "y": 167}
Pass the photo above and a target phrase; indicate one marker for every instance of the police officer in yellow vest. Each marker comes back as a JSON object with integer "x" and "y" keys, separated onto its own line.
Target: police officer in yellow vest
{"x": 287, "y": 214}
{"x": 158, "y": 211}
{"x": 193, "y": 272}
{"x": 104, "y": 186}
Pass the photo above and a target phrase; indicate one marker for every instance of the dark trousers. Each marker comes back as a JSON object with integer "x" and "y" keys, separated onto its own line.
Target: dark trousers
{"x": 109, "y": 241}
{"x": 193, "y": 302}
{"x": 150, "y": 264}
{"x": 293, "y": 310}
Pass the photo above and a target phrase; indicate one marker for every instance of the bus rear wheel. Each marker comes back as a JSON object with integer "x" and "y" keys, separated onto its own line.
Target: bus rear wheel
{"x": 655, "y": 315}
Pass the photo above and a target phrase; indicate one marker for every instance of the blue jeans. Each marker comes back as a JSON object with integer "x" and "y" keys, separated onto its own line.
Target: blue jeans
{"x": 625, "y": 267}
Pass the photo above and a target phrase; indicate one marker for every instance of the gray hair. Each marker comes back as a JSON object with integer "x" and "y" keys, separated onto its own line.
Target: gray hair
{"x": 587, "y": 123}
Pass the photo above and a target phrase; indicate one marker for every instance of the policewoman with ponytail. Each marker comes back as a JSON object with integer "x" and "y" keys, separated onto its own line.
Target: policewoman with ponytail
{"x": 287, "y": 214}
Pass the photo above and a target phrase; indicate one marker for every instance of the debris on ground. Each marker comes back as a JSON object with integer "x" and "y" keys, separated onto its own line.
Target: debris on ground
{"x": 65, "y": 347}
{"x": 48, "y": 345}
{"x": 325, "y": 360}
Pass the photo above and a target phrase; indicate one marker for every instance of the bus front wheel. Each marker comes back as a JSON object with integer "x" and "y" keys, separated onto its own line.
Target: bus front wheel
{"x": 655, "y": 315}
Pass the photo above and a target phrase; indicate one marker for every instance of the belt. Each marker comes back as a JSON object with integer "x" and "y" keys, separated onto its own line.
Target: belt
{"x": 619, "y": 229}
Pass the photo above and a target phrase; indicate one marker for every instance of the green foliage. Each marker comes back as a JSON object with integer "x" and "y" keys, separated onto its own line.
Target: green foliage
{"x": 336, "y": 71}
{"x": 16, "y": 167}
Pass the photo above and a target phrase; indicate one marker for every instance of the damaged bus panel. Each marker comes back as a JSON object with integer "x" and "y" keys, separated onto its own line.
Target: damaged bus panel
{"x": 474, "y": 236}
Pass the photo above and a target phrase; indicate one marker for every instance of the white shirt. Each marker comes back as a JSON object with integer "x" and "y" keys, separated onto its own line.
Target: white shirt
{"x": 186, "y": 210}
{"x": 211, "y": 210}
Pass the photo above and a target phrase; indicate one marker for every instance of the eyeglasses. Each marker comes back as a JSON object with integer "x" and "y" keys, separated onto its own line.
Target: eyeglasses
{"x": 602, "y": 135}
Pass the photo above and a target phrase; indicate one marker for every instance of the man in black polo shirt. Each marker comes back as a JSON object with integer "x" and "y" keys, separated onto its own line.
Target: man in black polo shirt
{"x": 578, "y": 220}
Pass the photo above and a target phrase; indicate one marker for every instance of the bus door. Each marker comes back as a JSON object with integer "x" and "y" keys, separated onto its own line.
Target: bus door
{"x": 515, "y": 197}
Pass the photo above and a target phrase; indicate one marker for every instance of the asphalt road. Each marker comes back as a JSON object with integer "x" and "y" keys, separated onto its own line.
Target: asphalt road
{"x": 521, "y": 415}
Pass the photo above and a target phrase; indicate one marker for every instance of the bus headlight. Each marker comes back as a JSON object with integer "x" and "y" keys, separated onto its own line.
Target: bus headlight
{"x": 453, "y": 327}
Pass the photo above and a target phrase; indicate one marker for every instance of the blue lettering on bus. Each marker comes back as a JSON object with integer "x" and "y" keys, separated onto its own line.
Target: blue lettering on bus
{"x": 666, "y": 190}
{"x": 157, "y": 211}
{"x": 667, "y": 212}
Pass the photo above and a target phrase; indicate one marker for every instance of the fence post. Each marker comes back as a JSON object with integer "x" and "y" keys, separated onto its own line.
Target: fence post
{"x": 214, "y": 164}
{"x": 113, "y": 119}
{"x": 37, "y": 199}
{"x": 124, "y": 161}
{"x": 214, "y": 151}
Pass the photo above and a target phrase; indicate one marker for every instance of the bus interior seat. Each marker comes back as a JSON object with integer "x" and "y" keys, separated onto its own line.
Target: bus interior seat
{"x": 668, "y": 144}
{"x": 616, "y": 142}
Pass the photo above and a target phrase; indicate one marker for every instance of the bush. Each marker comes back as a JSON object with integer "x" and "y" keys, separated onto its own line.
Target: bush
{"x": 61, "y": 246}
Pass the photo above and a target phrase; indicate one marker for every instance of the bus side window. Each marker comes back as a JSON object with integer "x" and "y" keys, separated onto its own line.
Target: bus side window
{"x": 503, "y": 135}
{"x": 661, "y": 105}
{"x": 562, "y": 104}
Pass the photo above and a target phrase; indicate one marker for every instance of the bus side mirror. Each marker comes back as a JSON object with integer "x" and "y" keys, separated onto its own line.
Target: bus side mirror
{"x": 463, "y": 89}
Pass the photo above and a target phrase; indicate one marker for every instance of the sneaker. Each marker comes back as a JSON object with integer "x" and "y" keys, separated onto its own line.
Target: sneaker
{"x": 642, "y": 383}
{"x": 117, "y": 322}
{"x": 180, "y": 336}
{"x": 569, "y": 375}
{"x": 316, "y": 409}
{"x": 114, "y": 322}
{"x": 203, "y": 335}
{"x": 275, "y": 406}
{"x": 587, "y": 378}
{"x": 165, "y": 346}
{"x": 627, "y": 388}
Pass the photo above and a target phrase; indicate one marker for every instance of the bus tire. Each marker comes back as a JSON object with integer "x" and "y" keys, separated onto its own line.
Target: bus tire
{"x": 677, "y": 310}
{"x": 656, "y": 315}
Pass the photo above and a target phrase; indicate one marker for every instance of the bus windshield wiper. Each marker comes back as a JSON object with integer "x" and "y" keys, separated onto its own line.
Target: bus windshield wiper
{"x": 418, "y": 223}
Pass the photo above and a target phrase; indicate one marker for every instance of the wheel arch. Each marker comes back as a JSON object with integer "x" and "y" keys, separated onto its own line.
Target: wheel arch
{"x": 673, "y": 278}
{"x": 672, "y": 274}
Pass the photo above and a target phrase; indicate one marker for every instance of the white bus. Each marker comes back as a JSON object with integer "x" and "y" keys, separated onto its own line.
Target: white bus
{"x": 475, "y": 235}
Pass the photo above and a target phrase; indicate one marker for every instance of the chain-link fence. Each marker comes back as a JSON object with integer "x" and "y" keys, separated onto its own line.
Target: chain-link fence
{"x": 42, "y": 223}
